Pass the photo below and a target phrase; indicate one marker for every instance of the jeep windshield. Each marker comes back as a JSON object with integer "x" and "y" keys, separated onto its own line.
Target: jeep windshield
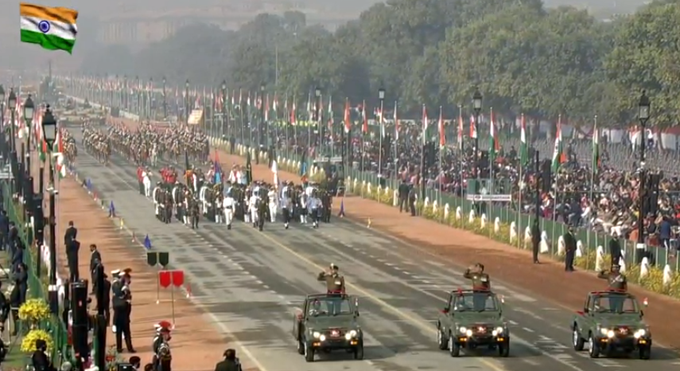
{"x": 615, "y": 303}
{"x": 329, "y": 306}
{"x": 476, "y": 302}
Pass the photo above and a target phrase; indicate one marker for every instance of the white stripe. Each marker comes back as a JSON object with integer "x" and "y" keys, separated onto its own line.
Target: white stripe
{"x": 62, "y": 30}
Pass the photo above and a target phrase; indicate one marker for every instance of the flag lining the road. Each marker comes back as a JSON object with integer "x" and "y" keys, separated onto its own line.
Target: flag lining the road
{"x": 51, "y": 28}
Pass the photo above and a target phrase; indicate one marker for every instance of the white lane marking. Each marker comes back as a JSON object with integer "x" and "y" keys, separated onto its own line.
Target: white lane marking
{"x": 528, "y": 329}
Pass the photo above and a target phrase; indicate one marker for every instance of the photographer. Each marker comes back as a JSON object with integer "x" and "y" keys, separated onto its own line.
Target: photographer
{"x": 230, "y": 363}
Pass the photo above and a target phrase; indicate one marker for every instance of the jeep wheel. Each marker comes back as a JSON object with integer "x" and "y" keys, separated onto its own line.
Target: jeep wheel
{"x": 309, "y": 353}
{"x": 593, "y": 347}
{"x": 300, "y": 347}
{"x": 442, "y": 341}
{"x": 359, "y": 351}
{"x": 577, "y": 340}
{"x": 645, "y": 353}
{"x": 504, "y": 349}
{"x": 454, "y": 348}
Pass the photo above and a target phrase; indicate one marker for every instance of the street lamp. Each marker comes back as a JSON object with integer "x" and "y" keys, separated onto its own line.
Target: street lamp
{"x": 49, "y": 127}
{"x": 477, "y": 108}
{"x": 381, "y": 97}
{"x": 643, "y": 115}
{"x": 186, "y": 100}
{"x": 317, "y": 111}
{"x": 3, "y": 140}
{"x": 165, "y": 104}
{"x": 29, "y": 109}
{"x": 261, "y": 129}
{"x": 12, "y": 101}
{"x": 149, "y": 96}
{"x": 224, "y": 109}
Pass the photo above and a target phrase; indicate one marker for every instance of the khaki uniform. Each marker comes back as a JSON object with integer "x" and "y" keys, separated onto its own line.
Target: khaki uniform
{"x": 335, "y": 283}
{"x": 616, "y": 280}
{"x": 480, "y": 281}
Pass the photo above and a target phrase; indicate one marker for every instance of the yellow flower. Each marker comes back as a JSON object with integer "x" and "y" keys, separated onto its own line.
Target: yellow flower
{"x": 29, "y": 342}
{"x": 34, "y": 310}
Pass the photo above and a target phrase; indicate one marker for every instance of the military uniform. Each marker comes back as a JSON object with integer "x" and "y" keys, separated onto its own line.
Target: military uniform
{"x": 162, "y": 358}
{"x": 335, "y": 283}
{"x": 481, "y": 284}
{"x": 121, "y": 312}
{"x": 570, "y": 247}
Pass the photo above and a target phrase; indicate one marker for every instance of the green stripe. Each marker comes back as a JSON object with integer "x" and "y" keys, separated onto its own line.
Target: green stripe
{"x": 48, "y": 42}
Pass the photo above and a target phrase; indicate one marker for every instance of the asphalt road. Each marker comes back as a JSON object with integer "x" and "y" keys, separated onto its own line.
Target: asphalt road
{"x": 250, "y": 282}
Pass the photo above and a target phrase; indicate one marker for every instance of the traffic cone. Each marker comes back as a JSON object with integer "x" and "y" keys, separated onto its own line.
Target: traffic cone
{"x": 147, "y": 242}
{"x": 368, "y": 223}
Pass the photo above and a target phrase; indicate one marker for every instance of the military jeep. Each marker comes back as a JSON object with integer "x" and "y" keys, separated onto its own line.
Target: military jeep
{"x": 328, "y": 322}
{"x": 611, "y": 322}
{"x": 472, "y": 319}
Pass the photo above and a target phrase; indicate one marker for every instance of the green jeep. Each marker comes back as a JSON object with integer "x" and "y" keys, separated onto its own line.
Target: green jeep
{"x": 472, "y": 319}
{"x": 328, "y": 322}
{"x": 611, "y": 322}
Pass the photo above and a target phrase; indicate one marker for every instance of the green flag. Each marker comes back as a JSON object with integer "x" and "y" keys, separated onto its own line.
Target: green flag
{"x": 523, "y": 146}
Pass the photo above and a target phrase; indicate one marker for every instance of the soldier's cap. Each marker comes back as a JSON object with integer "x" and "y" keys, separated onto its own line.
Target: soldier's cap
{"x": 127, "y": 270}
{"x": 115, "y": 272}
{"x": 334, "y": 266}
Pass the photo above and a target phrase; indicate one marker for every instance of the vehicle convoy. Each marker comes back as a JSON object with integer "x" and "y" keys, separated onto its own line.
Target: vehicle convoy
{"x": 610, "y": 323}
{"x": 472, "y": 319}
{"x": 328, "y": 322}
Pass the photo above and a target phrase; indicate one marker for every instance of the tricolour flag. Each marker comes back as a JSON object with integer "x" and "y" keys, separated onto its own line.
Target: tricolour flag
{"x": 494, "y": 148}
{"x": 51, "y": 28}
{"x": 59, "y": 154}
{"x": 558, "y": 154}
{"x": 460, "y": 127}
{"x": 523, "y": 145}
{"x": 425, "y": 125}
{"x": 364, "y": 118}
{"x": 346, "y": 117}
{"x": 397, "y": 125}
{"x": 596, "y": 148}
{"x": 442, "y": 133}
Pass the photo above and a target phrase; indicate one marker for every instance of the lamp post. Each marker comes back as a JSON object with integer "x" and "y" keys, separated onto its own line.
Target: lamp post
{"x": 49, "y": 127}
{"x": 12, "y": 102}
{"x": 643, "y": 115}
{"x": 261, "y": 130}
{"x": 149, "y": 96}
{"x": 186, "y": 101}
{"x": 137, "y": 96}
{"x": 477, "y": 108}
{"x": 29, "y": 110}
{"x": 224, "y": 110}
{"x": 165, "y": 102}
{"x": 381, "y": 97}
{"x": 317, "y": 95}
{"x": 3, "y": 139}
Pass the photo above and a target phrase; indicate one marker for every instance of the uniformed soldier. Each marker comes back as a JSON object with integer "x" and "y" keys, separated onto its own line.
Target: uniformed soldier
{"x": 121, "y": 311}
{"x": 617, "y": 285}
{"x": 195, "y": 213}
{"x": 253, "y": 205}
{"x": 535, "y": 240}
{"x": 228, "y": 204}
{"x": 162, "y": 357}
{"x": 314, "y": 208}
{"x": 335, "y": 283}
{"x": 570, "y": 249}
{"x": 285, "y": 204}
{"x": 273, "y": 204}
{"x": 481, "y": 284}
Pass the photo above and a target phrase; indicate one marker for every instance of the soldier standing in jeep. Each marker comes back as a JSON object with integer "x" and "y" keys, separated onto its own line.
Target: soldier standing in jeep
{"x": 335, "y": 283}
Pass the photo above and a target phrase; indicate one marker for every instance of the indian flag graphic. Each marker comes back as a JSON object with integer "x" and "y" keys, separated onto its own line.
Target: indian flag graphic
{"x": 51, "y": 28}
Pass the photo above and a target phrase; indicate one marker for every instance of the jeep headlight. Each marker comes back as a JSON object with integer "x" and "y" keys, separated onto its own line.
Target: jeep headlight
{"x": 640, "y": 333}
{"x": 462, "y": 330}
{"x": 610, "y": 334}
{"x": 604, "y": 331}
{"x": 316, "y": 334}
{"x": 497, "y": 331}
{"x": 351, "y": 334}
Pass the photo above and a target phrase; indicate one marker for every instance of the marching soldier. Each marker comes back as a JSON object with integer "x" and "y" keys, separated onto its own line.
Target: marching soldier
{"x": 314, "y": 208}
{"x": 262, "y": 209}
{"x": 253, "y": 205}
{"x": 229, "y": 205}
{"x": 273, "y": 207}
{"x": 326, "y": 203}
{"x": 617, "y": 284}
{"x": 286, "y": 206}
{"x": 335, "y": 283}
{"x": 481, "y": 285}
{"x": 194, "y": 213}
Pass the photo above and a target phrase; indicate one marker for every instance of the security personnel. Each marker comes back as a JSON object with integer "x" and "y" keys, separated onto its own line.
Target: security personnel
{"x": 335, "y": 283}
{"x": 403, "y": 195}
{"x": 285, "y": 204}
{"x": 230, "y": 363}
{"x": 162, "y": 357}
{"x": 412, "y": 196}
{"x": 617, "y": 285}
{"x": 570, "y": 247}
{"x": 535, "y": 240}
{"x": 121, "y": 312}
{"x": 615, "y": 248}
{"x": 481, "y": 285}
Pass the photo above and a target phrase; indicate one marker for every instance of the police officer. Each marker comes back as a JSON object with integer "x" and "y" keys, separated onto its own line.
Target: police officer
{"x": 570, "y": 247}
{"x": 618, "y": 285}
{"x": 121, "y": 311}
{"x": 335, "y": 283}
{"x": 230, "y": 363}
{"x": 403, "y": 195}
{"x": 481, "y": 284}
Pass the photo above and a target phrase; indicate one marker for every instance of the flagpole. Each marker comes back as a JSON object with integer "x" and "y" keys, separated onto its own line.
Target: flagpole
{"x": 441, "y": 149}
{"x": 492, "y": 149}
{"x": 396, "y": 139}
{"x": 381, "y": 94}
{"x": 595, "y": 163}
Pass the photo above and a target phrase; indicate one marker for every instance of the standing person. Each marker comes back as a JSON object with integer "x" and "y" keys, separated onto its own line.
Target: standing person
{"x": 39, "y": 359}
{"x": 285, "y": 204}
{"x": 230, "y": 362}
{"x": 95, "y": 260}
{"x": 615, "y": 248}
{"x": 121, "y": 312}
{"x": 228, "y": 204}
{"x": 72, "y": 249}
{"x": 535, "y": 240}
{"x": 412, "y": 197}
{"x": 570, "y": 247}
{"x": 403, "y": 195}
{"x": 71, "y": 233}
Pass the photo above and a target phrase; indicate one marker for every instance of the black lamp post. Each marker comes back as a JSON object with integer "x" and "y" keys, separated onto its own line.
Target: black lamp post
{"x": 477, "y": 108}
{"x": 149, "y": 96}
{"x": 49, "y": 127}
{"x": 381, "y": 97}
{"x": 186, "y": 101}
{"x": 224, "y": 110}
{"x": 643, "y": 115}
{"x": 261, "y": 130}
{"x": 12, "y": 102}
{"x": 165, "y": 102}
{"x": 29, "y": 110}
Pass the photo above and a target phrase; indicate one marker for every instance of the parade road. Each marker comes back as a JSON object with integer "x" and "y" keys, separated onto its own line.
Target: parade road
{"x": 250, "y": 283}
